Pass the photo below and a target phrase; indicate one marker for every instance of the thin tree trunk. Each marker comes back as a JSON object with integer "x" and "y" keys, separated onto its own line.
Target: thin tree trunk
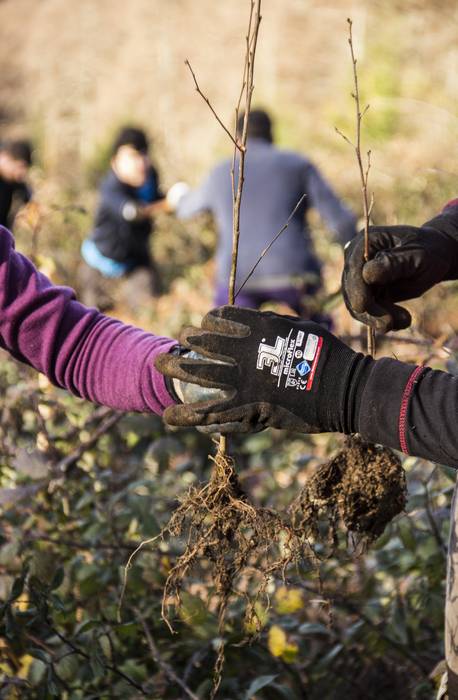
{"x": 451, "y": 602}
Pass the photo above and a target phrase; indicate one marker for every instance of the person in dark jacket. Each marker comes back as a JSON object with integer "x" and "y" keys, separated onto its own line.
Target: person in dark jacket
{"x": 275, "y": 180}
{"x": 15, "y": 161}
{"x": 118, "y": 246}
{"x": 284, "y": 372}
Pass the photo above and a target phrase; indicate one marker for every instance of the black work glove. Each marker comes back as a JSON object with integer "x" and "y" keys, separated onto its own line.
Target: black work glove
{"x": 277, "y": 371}
{"x": 404, "y": 262}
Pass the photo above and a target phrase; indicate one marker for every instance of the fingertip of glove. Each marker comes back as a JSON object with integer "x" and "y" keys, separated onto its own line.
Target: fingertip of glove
{"x": 228, "y": 320}
{"x": 181, "y": 416}
{"x": 377, "y": 271}
{"x": 161, "y": 361}
{"x": 189, "y": 335}
{"x": 401, "y": 319}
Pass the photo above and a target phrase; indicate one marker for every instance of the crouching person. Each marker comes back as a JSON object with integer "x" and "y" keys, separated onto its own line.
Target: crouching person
{"x": 119, "y": 245}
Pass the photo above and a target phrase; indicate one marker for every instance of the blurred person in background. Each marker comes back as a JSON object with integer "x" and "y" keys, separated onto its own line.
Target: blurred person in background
{"x": 275, "y": 180}
{"x": 15, "y": 162}
{"x": 119, "y": 244}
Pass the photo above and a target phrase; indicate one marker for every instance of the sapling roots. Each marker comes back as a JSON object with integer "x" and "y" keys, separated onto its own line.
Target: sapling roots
{"x": 362, "y": 487}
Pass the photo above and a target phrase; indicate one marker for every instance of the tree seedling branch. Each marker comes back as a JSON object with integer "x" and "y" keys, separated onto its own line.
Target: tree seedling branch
{"x": 363, "y": 167}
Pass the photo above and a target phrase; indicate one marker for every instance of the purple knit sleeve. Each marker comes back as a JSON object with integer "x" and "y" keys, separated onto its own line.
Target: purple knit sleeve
{"x": 77, "y": 348}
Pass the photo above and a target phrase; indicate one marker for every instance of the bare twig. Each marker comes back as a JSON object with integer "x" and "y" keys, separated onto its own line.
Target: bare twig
{"x": 247, "y": 90}
{"x": 251, "y": 43}
{"x": 210, "y": 106}
{"x": 107, "y": 423}
{"x": 364, "y": 173}
{"x": 77, "y": 650}
{"x": 238, "y": 143}
{"x": 157, "y": 658}
{"x": 268, "y": 247}
{"x": 364, "y": 169}
{"x": 78, "y": 544}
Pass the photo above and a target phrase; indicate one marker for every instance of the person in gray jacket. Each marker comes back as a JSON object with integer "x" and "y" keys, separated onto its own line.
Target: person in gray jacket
{"x": 275, "y": 180}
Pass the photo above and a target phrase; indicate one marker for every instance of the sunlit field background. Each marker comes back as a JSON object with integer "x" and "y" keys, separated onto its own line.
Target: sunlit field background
{"x": 70, "y": 75}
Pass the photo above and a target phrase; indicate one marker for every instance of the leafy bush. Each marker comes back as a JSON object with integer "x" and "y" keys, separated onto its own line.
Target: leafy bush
{"x": 81, "y": 487}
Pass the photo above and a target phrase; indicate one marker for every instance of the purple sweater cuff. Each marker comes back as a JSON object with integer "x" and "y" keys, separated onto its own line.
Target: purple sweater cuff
{"x": 77, "y": 348}
{"x": 158, "y": 388}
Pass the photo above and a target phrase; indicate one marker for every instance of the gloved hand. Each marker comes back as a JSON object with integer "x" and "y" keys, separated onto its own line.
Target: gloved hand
{"x": 277, "y": 371}
{"x": 405, "y": 262}
{"x": 175, "y": 194}
{"x": 185, "y": 392}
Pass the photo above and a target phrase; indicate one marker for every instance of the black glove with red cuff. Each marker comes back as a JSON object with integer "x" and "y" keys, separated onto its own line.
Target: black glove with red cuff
{"x": 277, "y": 371}
{"x": 404, "y": 262}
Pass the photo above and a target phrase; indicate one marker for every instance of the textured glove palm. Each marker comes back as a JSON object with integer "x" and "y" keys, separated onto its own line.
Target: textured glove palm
{"x": 277, "y": 371}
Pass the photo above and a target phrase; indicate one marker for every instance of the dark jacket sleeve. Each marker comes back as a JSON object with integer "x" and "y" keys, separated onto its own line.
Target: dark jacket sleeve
{"x": 159, "y": 193}
{"x": 412, "y": 409}
{"x": 23, "y": 192}
{"x": 415, "y": 409}
{"x": 447, "y": 223}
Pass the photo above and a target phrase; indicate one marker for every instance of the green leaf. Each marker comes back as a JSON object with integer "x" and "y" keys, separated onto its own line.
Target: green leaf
{"x": 85, "y": 626}
{"x": 52, "y": 682}
{"x": 257, "y": 684}
{"x": 56, "y": 602}
{"x": 33, "y": 464}
{"x": 284, "y": 692}
{"x": 97, "y": 666}
{"x": 127, "y": 630}
{"x": 39, "y": 654}
{"x": 333, "y": 654}
{"x": 58, "y": 578}
{"x": 313, "y": 628}
{"x": 18, "y": 586}
{"x": 11, "y": 626}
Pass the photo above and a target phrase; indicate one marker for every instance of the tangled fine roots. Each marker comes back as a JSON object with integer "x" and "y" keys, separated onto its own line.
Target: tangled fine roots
{"x": 364, "y": 486}
{"x": 220, "y": 525}
{"x": 247, "y": 546}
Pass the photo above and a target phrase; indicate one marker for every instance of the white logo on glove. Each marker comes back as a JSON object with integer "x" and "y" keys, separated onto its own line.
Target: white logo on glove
{"x": 270, "y": 355}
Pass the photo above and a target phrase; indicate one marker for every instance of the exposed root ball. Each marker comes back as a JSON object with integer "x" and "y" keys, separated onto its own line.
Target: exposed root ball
{"x": 219, "y": 524}
{"x": 364, "y": 485}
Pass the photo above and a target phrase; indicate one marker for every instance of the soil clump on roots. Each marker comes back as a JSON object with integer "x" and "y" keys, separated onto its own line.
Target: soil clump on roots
{"x": 363, "y": 486}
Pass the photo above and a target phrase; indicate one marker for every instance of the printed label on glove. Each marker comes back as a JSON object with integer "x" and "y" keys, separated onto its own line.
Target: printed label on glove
{"x": 291, "y": 360}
